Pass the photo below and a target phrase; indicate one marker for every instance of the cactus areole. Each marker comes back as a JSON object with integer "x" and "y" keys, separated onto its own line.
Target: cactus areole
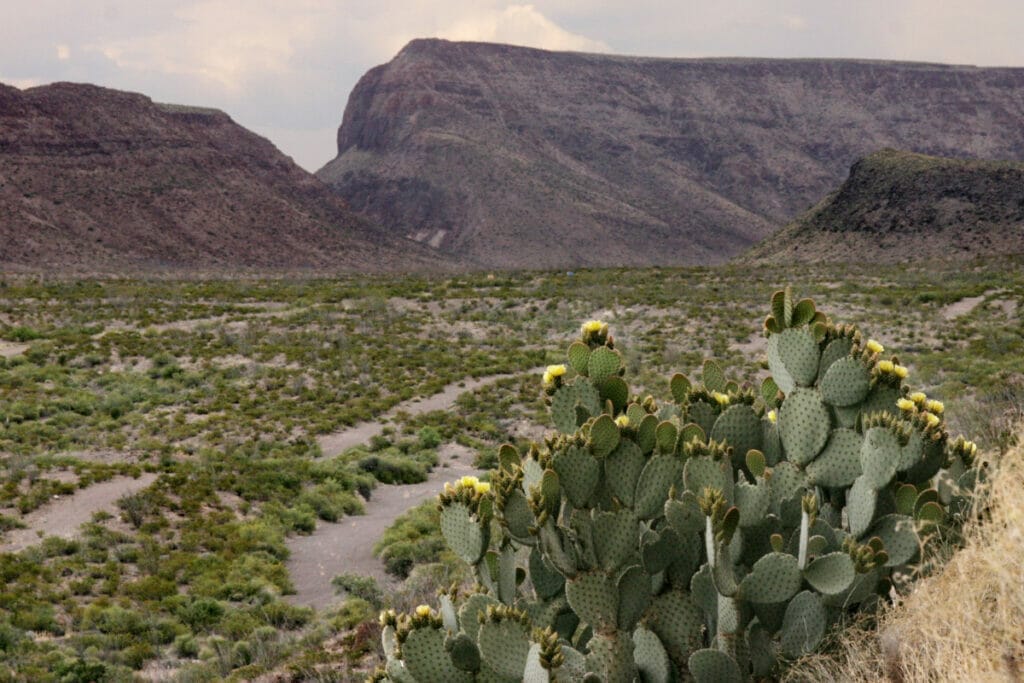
{"x": 711, "y": 537}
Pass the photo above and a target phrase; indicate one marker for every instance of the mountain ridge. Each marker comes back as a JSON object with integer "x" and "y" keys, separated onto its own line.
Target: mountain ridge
{"x": 518, "y": 157}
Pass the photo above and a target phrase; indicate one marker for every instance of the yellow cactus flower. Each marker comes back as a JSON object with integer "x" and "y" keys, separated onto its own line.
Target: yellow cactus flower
{"x": 481, "y": 487}
{"x": 622, "y": 421}
{"x": 937, "y": 407}
{"x": 592, "y": 326}
{"x": 905, "y": 404}
{"x": 468, "y": 481}
{"x": 933, "y": 420}
{"x": 423, "y": 611}
{"x": 874, "y": 347}
{"x": 556, "y": 370}
{"x": 886, "y": 366}
{"x": 900, "y": 371}
{"x": 772, "y": 416}
{"x": 918, "y": 397}
{"x": 974, "y": 447}
{"x": 548, "y": 380}
{"x": 723, "y": 399}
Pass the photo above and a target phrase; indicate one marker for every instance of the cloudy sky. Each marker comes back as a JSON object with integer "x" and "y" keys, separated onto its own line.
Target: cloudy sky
{"x": 284, "y": 68}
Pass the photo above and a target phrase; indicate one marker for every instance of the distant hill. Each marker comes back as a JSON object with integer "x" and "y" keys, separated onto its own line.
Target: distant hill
{"x": 512, "y": 156}
{"x": 899, "y": 206}
{"x": 98, "y": 179}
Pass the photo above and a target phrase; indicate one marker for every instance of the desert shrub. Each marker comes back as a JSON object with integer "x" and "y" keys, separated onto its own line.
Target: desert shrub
{"x": 357, "y": 586}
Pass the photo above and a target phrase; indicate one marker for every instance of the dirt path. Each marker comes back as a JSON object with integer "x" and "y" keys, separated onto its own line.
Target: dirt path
{"x": 962, "y": 307}
{"x": 63, "y": 516}
{"x": 347, "y": 547}
{"x": 11, "y": 349}
{"x": 337, "y": 442}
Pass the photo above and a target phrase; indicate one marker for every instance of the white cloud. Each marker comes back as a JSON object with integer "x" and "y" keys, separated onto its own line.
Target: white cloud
{"x": 519, "y": 25}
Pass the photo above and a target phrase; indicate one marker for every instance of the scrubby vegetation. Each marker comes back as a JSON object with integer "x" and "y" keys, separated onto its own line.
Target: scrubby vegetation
{"x": 225, "y": 389}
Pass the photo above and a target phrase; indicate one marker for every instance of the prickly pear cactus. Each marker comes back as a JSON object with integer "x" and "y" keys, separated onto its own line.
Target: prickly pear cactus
{"x": 712, "y": 537}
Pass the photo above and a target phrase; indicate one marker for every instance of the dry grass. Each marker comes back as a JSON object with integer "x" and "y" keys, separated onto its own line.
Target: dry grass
{"x": 965, "y": 623}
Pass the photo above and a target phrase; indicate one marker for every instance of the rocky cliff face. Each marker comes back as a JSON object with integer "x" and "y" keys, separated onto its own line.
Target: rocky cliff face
{"x": 899, "y": 207}
{"x": 98, "y": 179}
{"x": 518, "y": 157}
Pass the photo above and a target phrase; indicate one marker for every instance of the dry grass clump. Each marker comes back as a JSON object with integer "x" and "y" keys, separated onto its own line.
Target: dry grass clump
{"x": 964, "y": 623}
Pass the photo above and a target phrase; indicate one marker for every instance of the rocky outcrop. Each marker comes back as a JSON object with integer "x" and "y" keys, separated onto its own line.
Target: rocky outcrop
{"x": 901, "y": 207}
{"x": 515, "y": 157}
{"x": 93, "y": 179}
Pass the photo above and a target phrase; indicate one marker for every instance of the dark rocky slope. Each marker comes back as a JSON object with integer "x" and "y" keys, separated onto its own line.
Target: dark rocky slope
{"x": 519, "y": 157}
{"x": 93, "y": 179}
{"x": 899, "y": 207}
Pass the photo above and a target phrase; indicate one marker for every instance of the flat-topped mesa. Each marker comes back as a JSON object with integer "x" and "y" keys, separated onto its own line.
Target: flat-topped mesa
{"x": 521, "y": 157}
{"x": 898, "y": 206}
{"x": 94, "y": 179}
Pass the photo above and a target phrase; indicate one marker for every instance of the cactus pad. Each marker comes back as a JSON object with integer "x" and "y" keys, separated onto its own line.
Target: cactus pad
{"x": 712, "y": 666}
{"x": 650, "y": 657}
{"x": 426, "y": 659}
{"x": 861, "y": 500}
{"x": 616, "y": 538}
{"x": 839, "y": 464}
{"x": 680, "y": 387}
{"x": 504, "y": 646}
{"x": 634, "y": 586}
{"x": 467, "y": 538}
{"x": 712, "y": 376}
{"x": 836, "y": 349}
{"x": 622, "y": 468}
{"x": 831, "y": 574}
{"x": 879, "y": 456}
{"x": 678, "y": 623}
{"x": 804, "y": 624}
{"x": 753, "y": 502}
{"x": 579, "y": 357}
{"x": 572, "y": 400}
{"x": 594, "y": 597}
{"x": 793, "y": 359}
{"x": 804, "y": 425}
{"x": 740, "y": 427}
{"x": 604, "y": 435}
{"x": 684, "y": 515}
{"x": 603, "y": 363}
{"x": 846, "y": 383}
{"x": 898, "y": 536}
{"x": 774, "y": 578}
{"x": 659, "y": 474}
{"x": 578, "y": 472}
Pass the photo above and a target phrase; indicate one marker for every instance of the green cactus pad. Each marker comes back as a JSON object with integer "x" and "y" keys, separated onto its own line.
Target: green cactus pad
{"x": 604, "y": 435}
{"x": 646, "y": 433}
{"x": 793, "y": 359}
{"x": 650, "y": 657}
{"x": 659, "y": 549}
{"x": 705, "y": 595}
{"x": 712, "y": 376}
{"x": 611, "y": 654}
{"x": 684, "y": 515}
{"x": 740, "y": 427}
{"x": 467, "y": 538}
{"x": 846, "y": 383}
{"x": 463, "y": 652}
{"x": 616, "y": 538}
{"x": 804, "y": 625}
{"x": 712, "y": 666}
{"x": 804, "y": 425}
{"x": 861, "y": 500}
{"x": 864, "y": 586}
{"x": 666, "y": 437}
{"x": 879, "y": 456}
{"x": 831, "y": 574}
{"x": 930, "y": 515}
{"x": 782, "y": 308}
{"x": 762, "y": 649}
{"x": 836, "y": 349}
{"x": 603, "y": 363}
{"x": 906, "y": 497}
{"x": 702, "y": 414}
{"x": 636, "y": 414}
{"x": 787, "y": 482}
{"x": 594, "y": 597}
{"x": 839, "y": 463}
{"x": 547, "y": 582}
{"x": 803, "y": 313}
{"x": 616, "y": 390}
{"x": 756, "y": 463}
{"x": 677, "y": 621}
{"x": 846, "y": 417}
{"x": 912, "y": 452}
{"x": 534, "y": 672}
{"x": 706, "y": 472}
{"x": 771, "y": 443}
{"x": 929, "y": 465}
{"x": 753, "y": 502}
{"x": 572, "y": 399}
{"x": 622, "y": 469}
{"x": 898, "y": 536}
{"x": 691, "y": 431}
{"x": 579, "y": 357}
{"x": 475, "y": 605}
{"x": 504, "y": 646}
{"x": 775, "y": 577}
{"x": 532, "y": 474}
{"x": 680, "y": 387}
{"x": 426, "y": 659}
{"x": 578, "y": 472}
{"x": 770, "y": 392}
{"x": 882, "y": 398}
{"x": 634, "y": 586}
{"x": 517, "y": 517}
{"x": 553, "y": 546}
{"x": 659, "y": 474}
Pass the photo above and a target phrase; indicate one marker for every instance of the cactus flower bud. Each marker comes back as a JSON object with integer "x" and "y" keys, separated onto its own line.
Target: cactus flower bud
{"x": 772, "y": 416}
{"x": 933, "y": 420}
{"x": 874, "y": 347}
{"x": 423, "y": 611}
{"x": 722, "y": 399}
{"x": 622, "y": 421}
